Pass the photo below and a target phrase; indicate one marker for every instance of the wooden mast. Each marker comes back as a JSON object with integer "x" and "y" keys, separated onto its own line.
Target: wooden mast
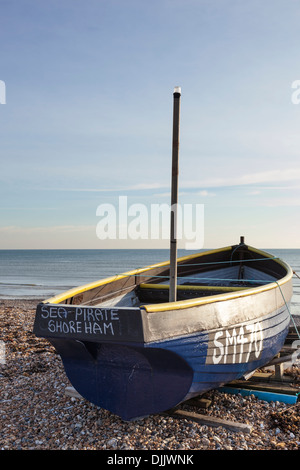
{"x": 174, "y": 195}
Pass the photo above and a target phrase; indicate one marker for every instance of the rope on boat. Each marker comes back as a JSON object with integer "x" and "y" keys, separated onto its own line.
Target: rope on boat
{"x": 286, "y": 304}
{"x": 294, "y": 272}
{"x": 231, "y": 261}
{"x": 296, "y": 328}
{"x": 207, "y": 278}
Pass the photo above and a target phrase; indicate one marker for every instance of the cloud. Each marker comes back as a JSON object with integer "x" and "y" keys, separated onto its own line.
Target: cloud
{"x": 205, "y": 193}
{"x": 134, "y": 187}
{"x": 263, "y": 177}
{"x": 283, "y": 202}
{"x": 255, "y": 192}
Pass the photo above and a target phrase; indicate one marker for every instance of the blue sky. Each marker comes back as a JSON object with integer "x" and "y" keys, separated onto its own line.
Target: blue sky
{"x": 88, "y": 117}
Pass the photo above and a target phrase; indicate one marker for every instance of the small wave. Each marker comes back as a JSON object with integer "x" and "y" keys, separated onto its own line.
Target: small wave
{"x": 43, "y": 286}
{"x": 18, "y": 284}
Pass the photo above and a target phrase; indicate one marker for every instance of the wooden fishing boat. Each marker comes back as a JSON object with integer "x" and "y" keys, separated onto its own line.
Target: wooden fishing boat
{"x": 127, "y": 348}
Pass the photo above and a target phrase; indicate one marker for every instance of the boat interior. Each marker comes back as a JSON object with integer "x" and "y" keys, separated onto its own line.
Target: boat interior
{"x": 205, "y": 274}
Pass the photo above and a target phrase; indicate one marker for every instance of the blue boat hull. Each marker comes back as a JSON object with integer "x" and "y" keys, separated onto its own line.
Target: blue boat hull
{"x": 214, "y": 372}
{"x": 129, "y": 381}
{"x": 137, "y": 380}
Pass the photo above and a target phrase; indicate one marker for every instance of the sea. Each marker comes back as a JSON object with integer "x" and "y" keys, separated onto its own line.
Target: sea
{"x": 40, "y": 274}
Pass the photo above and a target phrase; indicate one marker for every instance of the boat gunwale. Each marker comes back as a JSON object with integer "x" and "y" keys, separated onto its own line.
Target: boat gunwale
{"x": 181, "y": 304}
{"x": 85, "y": 287}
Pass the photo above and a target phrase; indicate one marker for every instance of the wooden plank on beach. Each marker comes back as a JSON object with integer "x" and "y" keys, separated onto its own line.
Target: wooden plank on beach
{"x": 200, "y": 402}
{"x": 261, "y": 375}
{"x": 272, "y": 387}
{"x": 210, "y": 420}
{"x": 71, "y": 392}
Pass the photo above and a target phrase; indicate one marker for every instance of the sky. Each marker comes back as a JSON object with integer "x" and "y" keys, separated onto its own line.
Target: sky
{"x": 86, "y": 106}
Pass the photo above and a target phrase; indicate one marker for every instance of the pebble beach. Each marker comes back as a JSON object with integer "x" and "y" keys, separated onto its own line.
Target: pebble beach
{"x": 37, "y": 414}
